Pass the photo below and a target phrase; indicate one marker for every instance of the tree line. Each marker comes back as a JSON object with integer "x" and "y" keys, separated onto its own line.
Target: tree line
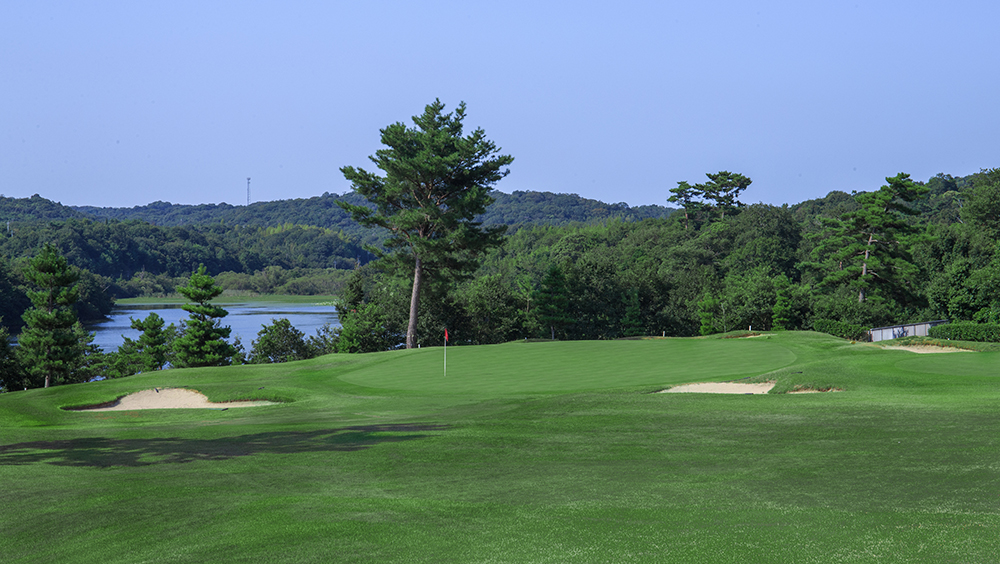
{"x": 840, "y": 264}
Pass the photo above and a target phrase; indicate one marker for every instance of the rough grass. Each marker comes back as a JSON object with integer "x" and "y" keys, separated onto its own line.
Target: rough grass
{"x": 549, "y": 452}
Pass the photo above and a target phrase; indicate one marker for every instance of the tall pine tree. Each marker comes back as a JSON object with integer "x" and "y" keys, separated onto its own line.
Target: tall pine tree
{"x": 437, "y": 180}
{"x": 868, "y": 248}
{"x": 51, "y": 348}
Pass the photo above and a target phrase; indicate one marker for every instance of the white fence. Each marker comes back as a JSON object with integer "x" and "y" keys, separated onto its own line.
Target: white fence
{"x": 908, "y": 330}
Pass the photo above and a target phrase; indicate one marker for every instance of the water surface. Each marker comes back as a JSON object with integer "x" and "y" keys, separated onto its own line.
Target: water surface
{"x": 245, "y": 319}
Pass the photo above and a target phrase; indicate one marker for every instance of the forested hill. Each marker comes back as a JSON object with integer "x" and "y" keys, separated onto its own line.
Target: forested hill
{"x": 537, "y": 208}
{"x": 36, "y": 208}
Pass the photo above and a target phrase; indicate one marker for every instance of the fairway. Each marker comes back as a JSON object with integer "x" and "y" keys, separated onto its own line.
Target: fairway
{"x": 545, "y": 452}
{"x": 522, "y": 367}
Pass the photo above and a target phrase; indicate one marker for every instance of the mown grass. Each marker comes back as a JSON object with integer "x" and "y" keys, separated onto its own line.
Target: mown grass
{"x": 525, "y": 452}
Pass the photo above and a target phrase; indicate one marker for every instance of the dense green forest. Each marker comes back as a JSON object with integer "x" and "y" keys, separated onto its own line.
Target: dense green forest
{"x": 618, "y": 270}
{"x": 909, "y": 251}
{"x": 299, "y": 246}
{"x": 537, "y": 208}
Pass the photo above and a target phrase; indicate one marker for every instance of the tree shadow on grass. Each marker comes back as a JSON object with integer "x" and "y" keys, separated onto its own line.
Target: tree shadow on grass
{"x": 101, "y": 452}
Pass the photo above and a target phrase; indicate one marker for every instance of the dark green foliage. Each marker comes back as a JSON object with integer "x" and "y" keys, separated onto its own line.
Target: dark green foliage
{"x": 152, "y": 351}
{"x": 35, "y": 208}
{"x": 632, "y": 323}
{"x": 832, "y": 206}
{"x": 52, "y": 345}
{"x": 781, "y": 311}
{"x": 202, "y": 341}
{"x": 135, "y": 258}
{"x": 364, "y": 330}
{"x": 552, "y": 302}
{"x": 715, "y": 198}
{"x": 722, "y": 191}
{"x": 13, "y": 300}
{"x": 95, "y": 302}
{"x": 840, "y": 329}
{"x": 967, "y": 331}
{"x": 981, "y": 208}
{"x": 325, "y": 341}
{"x": 687, "y": 196}
{"x": 278, "y": 342}
{"x": 867, "y": 249}
{"x": 492, "y": 308}
{"x": 711, "y": 314}
{"x": 12, "y": 374}
{"x": 749, "y": 299}
{"x": 762, "y": 237}
{"x": 437, "y": 180}
{"x": 519, "y": 207}
{"x": 547, "y": 208}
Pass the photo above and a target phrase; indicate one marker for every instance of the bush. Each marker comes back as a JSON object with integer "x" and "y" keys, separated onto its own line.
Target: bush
{"x": 278, "y": 342}
{"x": 841, "y": 329}
{"x": 967, "y": 331}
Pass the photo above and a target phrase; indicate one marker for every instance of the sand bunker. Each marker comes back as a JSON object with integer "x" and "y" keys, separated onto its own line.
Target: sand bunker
{"x": 171, "y": 398}
{"x": 924, "y": 349}
{"x": 722, "y": 388}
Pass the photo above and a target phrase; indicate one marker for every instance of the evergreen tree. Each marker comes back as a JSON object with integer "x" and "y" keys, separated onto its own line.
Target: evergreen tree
{"x": 155, "y": 342}
{"x": 723, "y": 189}
{"x": 203, "y": 340}
{"x": 150, "y": 352}
{"x": 436, "y": 182}
{"x": 868, "y": 247}
{"x": 552, "y": 302}
{"x": 685, "y": 194}
{"x": 50, "y": 347}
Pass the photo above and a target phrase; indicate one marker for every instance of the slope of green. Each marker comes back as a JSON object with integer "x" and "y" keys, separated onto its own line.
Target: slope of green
{"x": 528, "y": 452}
{"x": 571, "y": 365}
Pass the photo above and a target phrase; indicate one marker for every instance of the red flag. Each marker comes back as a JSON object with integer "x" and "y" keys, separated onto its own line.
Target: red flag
{"x": 446, "y": 335}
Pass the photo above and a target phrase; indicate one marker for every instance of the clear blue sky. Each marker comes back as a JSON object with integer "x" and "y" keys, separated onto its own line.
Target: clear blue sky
{"x": 124, "y": 103}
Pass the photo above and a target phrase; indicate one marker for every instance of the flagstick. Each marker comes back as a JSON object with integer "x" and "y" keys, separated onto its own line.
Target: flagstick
{"x": 446, "y": 354}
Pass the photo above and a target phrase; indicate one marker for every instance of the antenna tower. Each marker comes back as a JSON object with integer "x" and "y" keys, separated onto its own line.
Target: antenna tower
{"x": 248, "y": 190}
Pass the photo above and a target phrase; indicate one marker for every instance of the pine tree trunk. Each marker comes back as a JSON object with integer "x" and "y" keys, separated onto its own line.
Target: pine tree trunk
{"x": 411, "y": 328}
{"x": 864, "y": 268}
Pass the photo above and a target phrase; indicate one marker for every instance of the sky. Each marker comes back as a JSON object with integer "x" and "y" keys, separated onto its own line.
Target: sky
{"x": 120, "y": 104}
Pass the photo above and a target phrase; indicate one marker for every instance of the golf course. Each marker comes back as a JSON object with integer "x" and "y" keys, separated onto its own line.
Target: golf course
{"x": 541, "y": 452}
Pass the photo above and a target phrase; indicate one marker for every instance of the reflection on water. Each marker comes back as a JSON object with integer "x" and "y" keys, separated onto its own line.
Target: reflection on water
{"x": 244, "y": 319}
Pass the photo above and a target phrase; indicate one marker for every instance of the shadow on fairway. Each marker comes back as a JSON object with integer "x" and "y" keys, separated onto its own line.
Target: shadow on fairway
{"x": 102, "y": 452}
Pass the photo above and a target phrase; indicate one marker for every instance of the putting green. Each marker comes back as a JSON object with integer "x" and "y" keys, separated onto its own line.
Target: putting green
{"x": 572, "y": 366}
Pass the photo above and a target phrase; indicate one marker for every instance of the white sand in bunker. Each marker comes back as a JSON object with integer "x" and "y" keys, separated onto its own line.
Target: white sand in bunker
{"x": 172, "y": 398}
{"x": 924, "y": 349}
{"x": 721, "y": 388}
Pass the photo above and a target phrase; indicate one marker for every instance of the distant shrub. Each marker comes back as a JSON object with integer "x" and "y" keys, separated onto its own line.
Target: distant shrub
{"x": 841, "y": 329}
{"x": 967, "y": 331}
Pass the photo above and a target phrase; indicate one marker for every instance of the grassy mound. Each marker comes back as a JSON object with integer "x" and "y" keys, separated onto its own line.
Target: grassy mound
{"x": 525, "y": 452}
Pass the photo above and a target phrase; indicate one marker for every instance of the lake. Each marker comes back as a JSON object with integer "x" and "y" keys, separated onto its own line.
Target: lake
{"x": 245, "y": 319}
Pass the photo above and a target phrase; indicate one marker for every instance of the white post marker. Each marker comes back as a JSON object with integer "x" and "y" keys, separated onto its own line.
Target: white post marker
{"x": 446, "y": 352}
